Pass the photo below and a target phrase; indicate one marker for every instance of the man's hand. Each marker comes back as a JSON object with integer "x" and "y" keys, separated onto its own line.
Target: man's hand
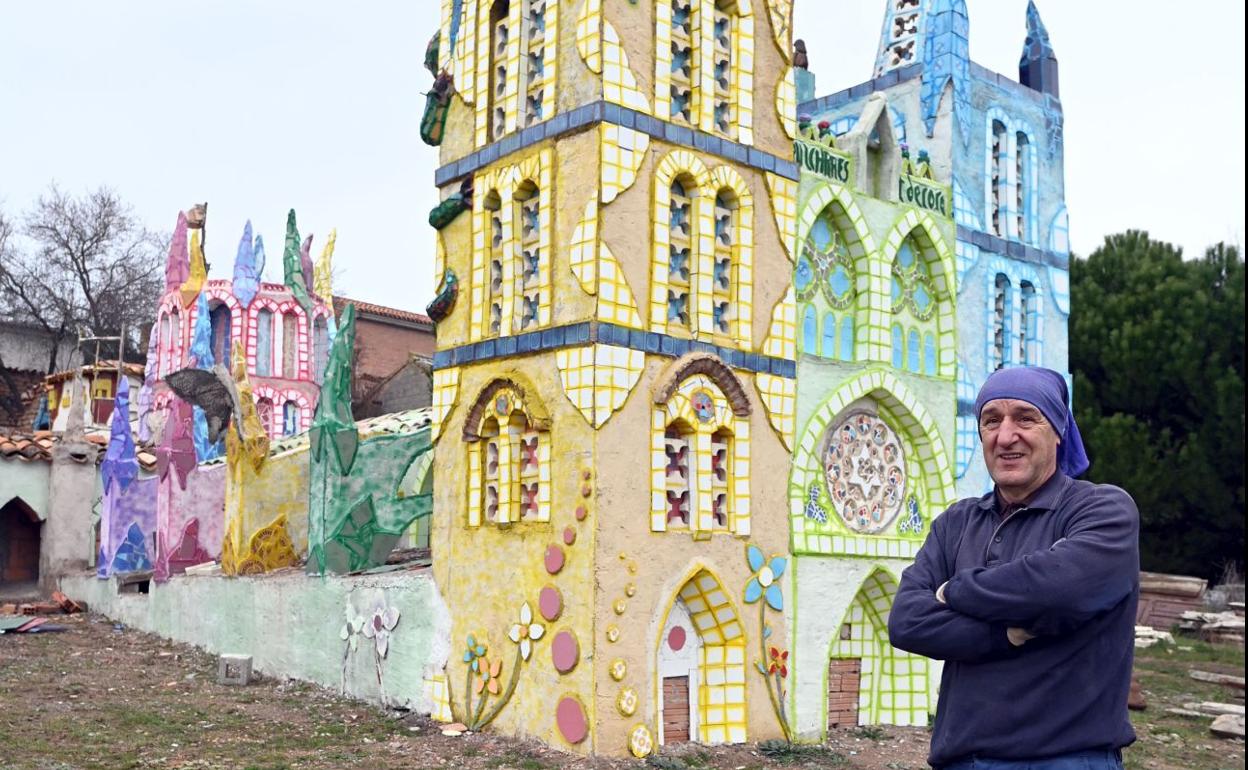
{"x": 1017, "y": 636}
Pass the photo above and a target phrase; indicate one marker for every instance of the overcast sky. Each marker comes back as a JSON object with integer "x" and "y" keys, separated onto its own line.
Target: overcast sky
{"x": 315, "y": 105}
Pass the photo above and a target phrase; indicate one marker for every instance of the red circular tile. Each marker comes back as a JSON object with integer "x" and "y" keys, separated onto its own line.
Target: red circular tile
{"x": 550, "y": 603}
{"x": 569, "y": 536}
{"x": 676, "y": 638}
{"x": 570, "y": 717}
{"x": 581, "y": 513}
{"x": 554, "y": 559}
{"x": 564, "y": 651}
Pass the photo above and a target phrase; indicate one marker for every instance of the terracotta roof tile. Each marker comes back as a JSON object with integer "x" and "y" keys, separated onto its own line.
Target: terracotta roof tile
{"x": 382, "y": 310}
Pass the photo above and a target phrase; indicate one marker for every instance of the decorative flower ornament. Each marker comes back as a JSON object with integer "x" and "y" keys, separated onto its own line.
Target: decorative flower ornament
{"x": 379, "y": 626}
{"x": 779, "y": 662}
{"x": 763, "y": 583}
{"x": 526, "y": 631}
{"x": 474, "y": 653}
{"x": 350, "y": 633}
{"x": 487, "y": 676}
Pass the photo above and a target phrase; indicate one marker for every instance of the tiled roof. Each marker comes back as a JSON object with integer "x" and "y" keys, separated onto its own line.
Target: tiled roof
{"x": 38, "y": 445}
{"x": 135, "y": 370}
{"x": 383, "y": 311}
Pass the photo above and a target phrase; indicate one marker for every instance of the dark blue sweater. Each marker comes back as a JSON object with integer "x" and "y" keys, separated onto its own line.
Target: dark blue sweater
{"x": 1066, "y": 568}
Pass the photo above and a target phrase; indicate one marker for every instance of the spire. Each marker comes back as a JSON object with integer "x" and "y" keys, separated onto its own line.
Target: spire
{"x": 323, "y": 275}
{"x": 305, "y": 264}
{"x": 292, "y": 264}
{"x": 246, "y": 275}
{"x": 120, "y": 463}
{"x": 901, "y": 36}
{"x": 147, "y": 392}
{"x": 201, "y": 355}
{"x": 177, "y": 447}
{"x": 946, "y": 60}
{"x": 198, "y": 272}
{"x": 178, "y": 266}
{"x": 1037, "y": 69}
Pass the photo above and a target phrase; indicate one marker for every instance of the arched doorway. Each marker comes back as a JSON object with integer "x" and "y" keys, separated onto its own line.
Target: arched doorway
{"x": 870, "y": 681}
{"x": 700, "y": 667}
{"x": 19, "y": 543}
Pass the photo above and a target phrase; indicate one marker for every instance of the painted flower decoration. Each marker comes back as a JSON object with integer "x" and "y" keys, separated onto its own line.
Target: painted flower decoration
{"x": 350, "y": 633}
{"x": 379, "y": 626}
{"x": 488, "y": 676}
{"x": 526, "y": 631}
{"x": 764, "y": 583}
{"x": 474, "y": 653}
{"x": 779, "y": 662}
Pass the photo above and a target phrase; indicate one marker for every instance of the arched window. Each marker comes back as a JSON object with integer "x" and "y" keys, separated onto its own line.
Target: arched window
{"x": 527, "y": 223}
{"x": 682, "y": 238}
{"x": 899, "y": 347}
{"x": 724, "y": 36}
{"x": 320, "y": 347}
{"x": 828, "y": 349}
{"x": 1001, "y": 322}
{"x": 810, "y": 331}
{"x": 219, "y": 320}
{"x": 494, "y": 269}
{"x": 533, "y": 59}
{"x": 703, "y": 439}
{"x": 500, "y": 33}
{"x": 914, "y": 351}
{"x": 930, "y": 363}
{"x": 1022, "y": 177}
{"x": 723, "y": 278}
{"x": 999, "y": 152}
{"x": 264, "y": 344}
{"x": 721, "y": 476}
{"x": 264, "y": 410}
{"x": 847, "y": 339}
{"x": 684, "y": 70}
{"x": 509, "y": 461}
{"x": 290, "y": 419}
{"x": 1028, "y": 322}
{"x": 826, "y": 276}
{"x": 290, "y": 346}
{"x": 678, "y": 444}
{"x": 915, "y": 305}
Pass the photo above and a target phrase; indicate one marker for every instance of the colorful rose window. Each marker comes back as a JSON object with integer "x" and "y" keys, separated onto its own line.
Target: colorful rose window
{"x": 865, "y": 467}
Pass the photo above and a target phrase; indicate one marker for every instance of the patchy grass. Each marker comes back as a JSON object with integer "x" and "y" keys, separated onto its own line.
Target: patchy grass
{"x": 1173, "y": 742}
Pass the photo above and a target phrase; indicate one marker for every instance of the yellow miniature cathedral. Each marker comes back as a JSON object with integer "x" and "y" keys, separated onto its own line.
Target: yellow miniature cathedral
{"x": 615, "y": 249}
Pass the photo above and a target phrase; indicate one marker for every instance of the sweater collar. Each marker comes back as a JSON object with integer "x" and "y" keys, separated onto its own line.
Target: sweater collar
{"x": 1044, "y": 498}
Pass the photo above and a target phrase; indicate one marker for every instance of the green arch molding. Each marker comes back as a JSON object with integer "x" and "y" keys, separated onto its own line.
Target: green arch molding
{"x": 902, "y": 409}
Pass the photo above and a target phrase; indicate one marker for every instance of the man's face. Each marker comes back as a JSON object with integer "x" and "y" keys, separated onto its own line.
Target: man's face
{"x": 1020, "y": 446}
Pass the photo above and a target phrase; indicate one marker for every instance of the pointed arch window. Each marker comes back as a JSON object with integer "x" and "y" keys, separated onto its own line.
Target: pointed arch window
{"x": 533, "y": 22}
{"x": 264, "y": 410}
{"x": 723, "y": 36}
{"x": 826, "y": 275}
{"x": 290, "y": 419}
{"x": 810, "y": 330}
{"x": 678, "y": 443}
{"x": 915, "y": 306}
{"x": 219, "y": 322}
{"x": 320, "y": 347}
{"x": 999, "y": 150}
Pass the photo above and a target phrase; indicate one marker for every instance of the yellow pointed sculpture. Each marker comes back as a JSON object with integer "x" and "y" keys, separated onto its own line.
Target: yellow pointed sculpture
{"x": 199, "y": 272}
{"x": 322, "y": 278}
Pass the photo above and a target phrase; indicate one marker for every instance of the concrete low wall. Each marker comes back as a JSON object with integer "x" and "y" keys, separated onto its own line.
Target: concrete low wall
{"x": 292, "y": 626}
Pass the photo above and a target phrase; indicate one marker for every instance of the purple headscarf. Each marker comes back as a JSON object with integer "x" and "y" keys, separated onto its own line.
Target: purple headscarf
{"x": 1044, "y": 389}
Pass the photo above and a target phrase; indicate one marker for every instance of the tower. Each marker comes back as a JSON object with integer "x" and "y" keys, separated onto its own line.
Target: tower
{"x": 614, "y": 386}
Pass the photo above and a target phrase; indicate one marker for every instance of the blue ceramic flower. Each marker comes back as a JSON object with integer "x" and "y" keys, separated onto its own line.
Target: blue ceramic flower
{"x": 763, "y": 583}
{"x": 474, "y": 653}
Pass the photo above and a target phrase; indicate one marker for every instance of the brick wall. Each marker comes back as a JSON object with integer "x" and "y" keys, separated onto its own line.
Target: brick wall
{"x": 844, "y": 677}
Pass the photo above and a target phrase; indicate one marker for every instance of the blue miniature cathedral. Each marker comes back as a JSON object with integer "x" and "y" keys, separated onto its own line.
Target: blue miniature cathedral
{"x": 999, "y": 140}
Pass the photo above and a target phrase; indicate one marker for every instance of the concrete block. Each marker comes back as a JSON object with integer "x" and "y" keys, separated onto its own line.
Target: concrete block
{"x": 234, "y": 669}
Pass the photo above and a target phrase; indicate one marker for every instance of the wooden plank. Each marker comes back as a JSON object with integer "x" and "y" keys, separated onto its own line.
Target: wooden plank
{"x": 675, "y": 709}
{"x": 1230, "y": 681}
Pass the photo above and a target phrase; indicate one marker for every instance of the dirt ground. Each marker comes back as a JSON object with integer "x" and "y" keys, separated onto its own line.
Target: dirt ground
{"x": 100, "y": 696}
